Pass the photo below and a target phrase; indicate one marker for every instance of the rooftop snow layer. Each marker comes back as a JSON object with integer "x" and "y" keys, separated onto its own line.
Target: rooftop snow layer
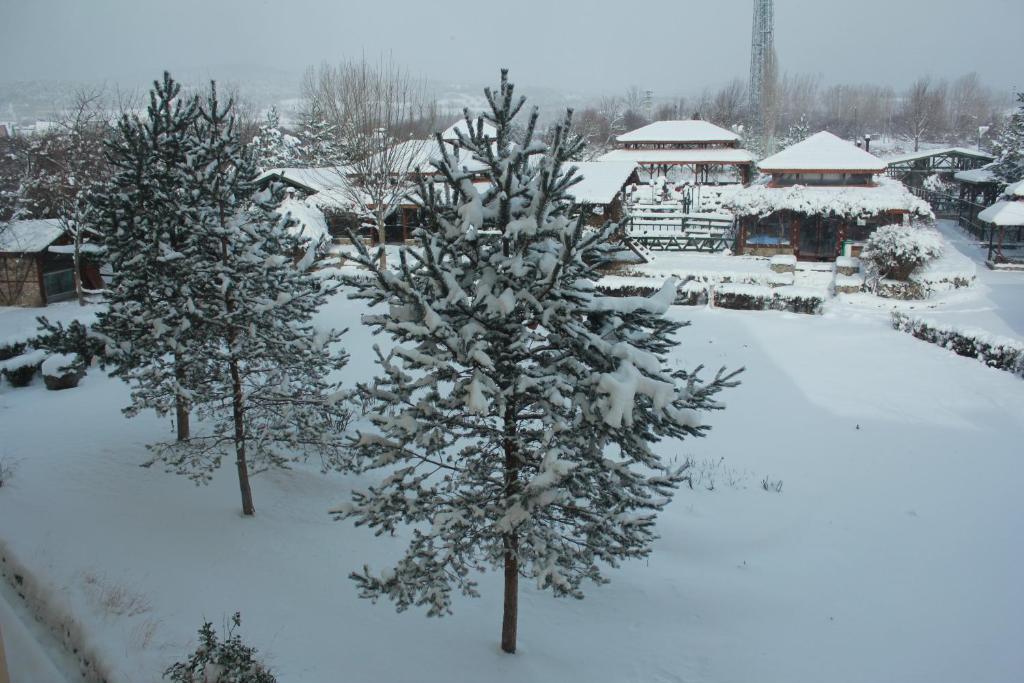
{"x": 30, "y": 236}
{"x": 602, "y": 180}
{"x": 847, "y": 201}
{"x": 318, "y": 179}
{"x": 976, "y": 176}
{"x": 1004, "y": 213}
{"x": 925, "y": 153}
{"x": 823, "y": 152}
{"x": 1014, "y": 190}
{"x": 679, "y": 131}
{"x": 680, "y": 156}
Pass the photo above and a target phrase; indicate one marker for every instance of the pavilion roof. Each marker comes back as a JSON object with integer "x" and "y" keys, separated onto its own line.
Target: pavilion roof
{"x": 822, "y": 152}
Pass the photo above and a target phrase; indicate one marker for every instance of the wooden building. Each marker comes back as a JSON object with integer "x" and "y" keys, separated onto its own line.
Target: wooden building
{"x": 30, "y": 274}
{"x": 911, "y": 169}
{"x": 601, "y": 194}
{"x": 819, "y": 199}
{"x": 699, "y": 152}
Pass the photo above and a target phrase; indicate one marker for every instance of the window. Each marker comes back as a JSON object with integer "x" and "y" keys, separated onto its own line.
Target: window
{"x": 771, "y": 230}
{"x": 59, "y": 284}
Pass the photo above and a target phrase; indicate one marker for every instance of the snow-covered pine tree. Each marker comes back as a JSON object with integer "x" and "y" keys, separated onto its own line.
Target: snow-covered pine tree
{"x": 141, "y": 213}
{"x": 274, "y": 147}
{"x": 1009, "y": 146}
{"x": 319, "y": 145}
{"x": 516, "y": 413}
{"x": 266, "y": 393}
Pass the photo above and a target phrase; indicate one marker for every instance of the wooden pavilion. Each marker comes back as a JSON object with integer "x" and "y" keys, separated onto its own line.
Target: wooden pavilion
{"x": 819, "y": 199}
{"x": 911, "y": 169}
{"x": 704, "y": 152}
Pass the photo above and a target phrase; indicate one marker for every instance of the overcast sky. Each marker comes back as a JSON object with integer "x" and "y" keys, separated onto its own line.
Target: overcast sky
{"x": 670, "y": 46}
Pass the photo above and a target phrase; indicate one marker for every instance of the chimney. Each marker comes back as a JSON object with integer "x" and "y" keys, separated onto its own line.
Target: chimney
{"x": 867, "y": 143}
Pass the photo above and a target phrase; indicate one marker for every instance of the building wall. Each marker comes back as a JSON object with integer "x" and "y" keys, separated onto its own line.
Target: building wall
{"x": 20, "y": 281}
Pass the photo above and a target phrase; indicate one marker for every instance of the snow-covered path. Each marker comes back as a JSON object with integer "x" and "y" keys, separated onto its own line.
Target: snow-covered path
{"x": 1003, "y": 290}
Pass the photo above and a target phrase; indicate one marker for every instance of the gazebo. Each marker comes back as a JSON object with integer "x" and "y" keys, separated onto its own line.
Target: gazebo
{"x": 702, "y": 151}
{"x": 1006, "y": 217}
{"x": 818, "y": 199}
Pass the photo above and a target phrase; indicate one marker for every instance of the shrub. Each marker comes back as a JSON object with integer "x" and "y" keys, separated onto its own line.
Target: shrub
{"x": 75, "y": 338}
{"x": 894, "y": 251}
{"x": 21, "y": 369}
{"x": 11, "y": 349}
{"x": 996, "y": 352}
{"x": 216, "y": 661}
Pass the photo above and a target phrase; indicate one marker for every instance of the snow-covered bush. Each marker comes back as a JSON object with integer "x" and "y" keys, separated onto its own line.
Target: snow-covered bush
{"x": 75, "y": 338}
{"x": 10, "y": 349}
{"x": 62, "y": 371}
{"x": 21, "y": 369}
{"x": 996, "y": 352}
{"x": 894, "y": 251}
{"x": 221, "y": 661}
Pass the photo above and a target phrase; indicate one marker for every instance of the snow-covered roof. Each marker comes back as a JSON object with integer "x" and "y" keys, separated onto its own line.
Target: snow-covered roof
{"x": 602, "y": 180}
{"x": 925, "y": 153}
{"x": 450, "y": 134}
{"x": 422, "y": 154}
{"x": 976, "y": 176}
{"x": 680, "y": 156}
{"x": 29, "y": 236}
{"x": 1004, "y": 212}
{"x": 847, "y": 201}
{"x": 316, "y": 179}
{"x": 310, "y": 224}
{"x": 679, "y": 131}
{"x": 1015, "y": 190}
{"x": 822, "y": 152}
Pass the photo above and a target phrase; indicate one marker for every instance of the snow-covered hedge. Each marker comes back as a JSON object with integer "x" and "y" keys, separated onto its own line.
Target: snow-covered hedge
{"x": 894, "y": 251}
{"x": 758, "y": 298}
{"x": 1003, "y": 353}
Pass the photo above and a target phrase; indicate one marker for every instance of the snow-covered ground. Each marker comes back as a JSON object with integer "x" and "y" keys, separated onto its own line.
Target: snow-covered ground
{"x": 892, "y": 551}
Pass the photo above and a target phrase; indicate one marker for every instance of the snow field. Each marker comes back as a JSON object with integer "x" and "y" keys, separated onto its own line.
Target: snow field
{"x": 890, "y": 553}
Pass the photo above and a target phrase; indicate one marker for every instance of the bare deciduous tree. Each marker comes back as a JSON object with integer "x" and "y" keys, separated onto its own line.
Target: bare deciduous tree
{"x": 380, "y": 114}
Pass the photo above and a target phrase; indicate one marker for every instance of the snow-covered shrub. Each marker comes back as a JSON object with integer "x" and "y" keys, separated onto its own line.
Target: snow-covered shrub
{"x": 759, "y": 298}
{"x": 221, "y": 661}
{"x": 1002, "y": 353}
{"x": 11, "y": 349}
{"x": 75, "y": 338}
{"x": 894, "y": 251}
{"x": 743, "y": 297}
{"x": 21, "y": 369}
{"x": 62, "y": 371}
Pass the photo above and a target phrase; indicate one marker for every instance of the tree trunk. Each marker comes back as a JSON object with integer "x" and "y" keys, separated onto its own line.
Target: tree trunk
{"x": 238, "y": 416}
{"x": 382, "y": 238}
{"x": 181, "y": 408}
{"x": 510, "y": 541}
{"x": 510, "y": 615}
{"x": 78, "y": 268}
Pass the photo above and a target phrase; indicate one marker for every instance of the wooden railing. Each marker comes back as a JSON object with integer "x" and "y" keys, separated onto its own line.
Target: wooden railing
{"x": 680, "y": 232}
